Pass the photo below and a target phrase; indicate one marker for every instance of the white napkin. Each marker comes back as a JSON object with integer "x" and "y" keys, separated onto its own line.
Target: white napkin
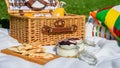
{"x": 67, "y": 63}
{"x": 110, "y": 62}
{"x": 7, "y": 61}
{"x": 109, "y": 48}
{"x": 6, "y": 40}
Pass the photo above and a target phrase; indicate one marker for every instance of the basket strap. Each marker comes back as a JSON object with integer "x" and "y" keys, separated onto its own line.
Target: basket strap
{"x": 43, "y": 2}
{"x": 30, "y": 3}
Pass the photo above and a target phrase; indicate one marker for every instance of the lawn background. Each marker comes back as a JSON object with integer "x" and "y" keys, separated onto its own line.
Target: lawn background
{"x": 73, "y": 6}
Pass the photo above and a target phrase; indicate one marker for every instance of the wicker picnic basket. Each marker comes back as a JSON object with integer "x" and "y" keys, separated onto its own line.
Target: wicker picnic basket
{"x": 46, "y": 30}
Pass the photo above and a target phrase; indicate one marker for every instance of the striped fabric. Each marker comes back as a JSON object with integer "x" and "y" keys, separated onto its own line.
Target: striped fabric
{"x": 93, "y": 29}
{"x": 110, "y": 18}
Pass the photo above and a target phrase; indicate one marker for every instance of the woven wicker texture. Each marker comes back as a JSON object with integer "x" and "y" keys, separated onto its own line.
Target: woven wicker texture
{"x": 46, "y": 30}
{"x": 29, "y": 29}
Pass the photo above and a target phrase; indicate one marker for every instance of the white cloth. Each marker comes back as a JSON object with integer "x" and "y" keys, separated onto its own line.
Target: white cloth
{"x": 67, "y": 63}
{"x": 6, "y": 40}
{"x": 107, "y": 53}
{"x": 8, "y": 61}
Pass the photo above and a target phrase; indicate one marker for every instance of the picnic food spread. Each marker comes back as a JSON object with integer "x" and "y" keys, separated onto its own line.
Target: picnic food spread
{"x": 35, "y": 51}
{"x": 31, "y": 52}
{"x": 68, "y": 48}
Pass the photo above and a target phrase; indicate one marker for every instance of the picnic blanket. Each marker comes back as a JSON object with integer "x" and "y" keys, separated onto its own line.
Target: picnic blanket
{"x": 107, "y": 53}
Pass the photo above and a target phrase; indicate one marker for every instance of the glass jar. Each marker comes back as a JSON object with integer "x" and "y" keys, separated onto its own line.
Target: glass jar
{"x": 87, "y": 57}
{"x": 70, "y": 51}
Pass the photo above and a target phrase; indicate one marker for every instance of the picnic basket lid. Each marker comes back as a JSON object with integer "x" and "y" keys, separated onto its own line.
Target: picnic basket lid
{"x": 15, "y": 5}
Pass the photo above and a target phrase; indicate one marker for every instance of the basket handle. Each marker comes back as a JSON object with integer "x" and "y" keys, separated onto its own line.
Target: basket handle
{"x": 59, "y": 28}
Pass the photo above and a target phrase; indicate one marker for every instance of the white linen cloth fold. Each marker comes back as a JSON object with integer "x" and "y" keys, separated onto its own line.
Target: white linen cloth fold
{"x": 6, "y": 40}
{"x": 67, "y": 63}
{"x": 107, "y": 53}
{"x": 7, "y": 61}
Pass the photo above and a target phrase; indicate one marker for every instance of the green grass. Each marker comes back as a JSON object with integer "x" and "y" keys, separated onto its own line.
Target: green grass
{"x": 73, "y": 6}
{"x": 3, "y": 10}
{"x": 0, "y": 25}
{"x": 86, "y": 6}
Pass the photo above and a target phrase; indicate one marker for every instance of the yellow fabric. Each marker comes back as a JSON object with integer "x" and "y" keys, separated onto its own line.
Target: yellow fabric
{"x": 111, "y": 18}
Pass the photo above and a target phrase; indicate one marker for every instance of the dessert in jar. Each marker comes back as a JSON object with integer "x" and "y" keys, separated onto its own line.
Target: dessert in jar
{"x": 67, "y": 48}
{"x": 79, "y": 43}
